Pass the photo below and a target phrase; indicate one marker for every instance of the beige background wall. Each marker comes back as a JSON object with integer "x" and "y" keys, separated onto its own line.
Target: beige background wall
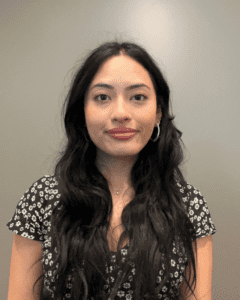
{"x": 196, "y": 43}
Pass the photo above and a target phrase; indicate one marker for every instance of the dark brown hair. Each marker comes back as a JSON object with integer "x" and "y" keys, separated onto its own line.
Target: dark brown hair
{"x": 153, "y": 220}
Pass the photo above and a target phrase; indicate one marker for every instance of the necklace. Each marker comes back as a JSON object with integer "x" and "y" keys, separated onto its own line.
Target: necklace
{"x": 127, "y": 190}
{"x": 117, "y": 193}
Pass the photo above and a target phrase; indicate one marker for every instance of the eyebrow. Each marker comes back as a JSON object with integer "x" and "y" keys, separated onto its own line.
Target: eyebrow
{"x": 128, "y": 88}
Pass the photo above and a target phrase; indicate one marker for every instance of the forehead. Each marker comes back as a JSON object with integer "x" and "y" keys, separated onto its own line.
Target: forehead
{"x": 123, "y": 71}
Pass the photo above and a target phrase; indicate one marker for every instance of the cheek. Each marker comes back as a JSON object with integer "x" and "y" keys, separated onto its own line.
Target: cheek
{"x": 149, "y": 121}
{"x": 95, "y": 122}
{"x": 90, "y": 113}
{"x": 92, "y": 116}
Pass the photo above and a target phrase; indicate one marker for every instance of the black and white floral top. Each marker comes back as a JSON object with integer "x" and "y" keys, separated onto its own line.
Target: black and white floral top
{"x": 32, "y": 220}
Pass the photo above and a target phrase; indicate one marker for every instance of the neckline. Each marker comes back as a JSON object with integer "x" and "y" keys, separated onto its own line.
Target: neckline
{"x": 126, "y": 246}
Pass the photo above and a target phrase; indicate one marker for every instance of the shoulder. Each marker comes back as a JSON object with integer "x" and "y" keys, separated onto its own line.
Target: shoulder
{"x": 44, "y": 181}
{"x": 190, "y": 195}
{"x": 197, "y": 210}
{"x": 44, "y": 192}
{"x": 42, "y": 196}
{"x": 33, "y": 211}
{"x": 44, "y": 187}
{"x": 188, "y": 189}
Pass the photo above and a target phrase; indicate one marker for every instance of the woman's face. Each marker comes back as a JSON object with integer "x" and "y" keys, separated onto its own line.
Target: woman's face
{"x": 107, "y": 108}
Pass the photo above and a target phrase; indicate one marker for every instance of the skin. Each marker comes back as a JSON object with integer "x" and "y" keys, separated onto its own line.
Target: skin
{"x": 116, "y": 108}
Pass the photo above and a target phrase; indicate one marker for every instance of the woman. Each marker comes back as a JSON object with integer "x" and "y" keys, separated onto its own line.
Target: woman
{"x": 117, "y": 220}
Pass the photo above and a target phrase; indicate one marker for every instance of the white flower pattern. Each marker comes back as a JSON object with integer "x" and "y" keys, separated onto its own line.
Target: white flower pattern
{"x": 32, "y": 220}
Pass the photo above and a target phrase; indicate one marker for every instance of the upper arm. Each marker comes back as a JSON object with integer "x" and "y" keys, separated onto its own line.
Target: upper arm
{"x": 204, "y": 267}
{"x": 23, "y": 270}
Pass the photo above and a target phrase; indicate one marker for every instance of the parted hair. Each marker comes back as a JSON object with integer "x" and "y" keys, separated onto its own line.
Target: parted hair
{"x": 152, "y": 220}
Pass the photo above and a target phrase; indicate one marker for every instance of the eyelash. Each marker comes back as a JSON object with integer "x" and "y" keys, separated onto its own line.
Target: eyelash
{"x": 95, "y": 98}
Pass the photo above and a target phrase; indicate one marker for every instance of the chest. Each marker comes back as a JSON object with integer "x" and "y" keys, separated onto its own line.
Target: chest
{"x": 116, "y": 229}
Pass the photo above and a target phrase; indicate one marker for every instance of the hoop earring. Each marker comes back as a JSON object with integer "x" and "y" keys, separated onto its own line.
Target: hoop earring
{"x": 158, "y": 134}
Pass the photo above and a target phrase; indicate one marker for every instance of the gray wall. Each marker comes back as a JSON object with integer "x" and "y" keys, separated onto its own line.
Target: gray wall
{"x": 196, "y": 43}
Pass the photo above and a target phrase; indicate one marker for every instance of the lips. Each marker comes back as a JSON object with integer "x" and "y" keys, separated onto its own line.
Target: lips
{"x": 123, "y": 136}
{"x": 121, "y": 130}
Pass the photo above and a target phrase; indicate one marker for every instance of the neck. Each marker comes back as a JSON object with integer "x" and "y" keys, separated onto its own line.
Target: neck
{"x": 116, "y": 170}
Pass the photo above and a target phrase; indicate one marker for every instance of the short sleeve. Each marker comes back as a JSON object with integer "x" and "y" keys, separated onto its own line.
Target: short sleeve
{"x": 29, "y": 219}
{"x": 198, "y": 212}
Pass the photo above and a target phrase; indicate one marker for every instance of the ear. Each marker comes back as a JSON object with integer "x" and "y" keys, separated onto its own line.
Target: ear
{"x": 158, "y": 115}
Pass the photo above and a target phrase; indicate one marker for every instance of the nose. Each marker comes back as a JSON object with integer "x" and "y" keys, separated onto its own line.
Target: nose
{"x": 120, "y": 110}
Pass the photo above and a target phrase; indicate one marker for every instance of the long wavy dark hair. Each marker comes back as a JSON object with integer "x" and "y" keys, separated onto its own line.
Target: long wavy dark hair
{"x": 152, "y": 220}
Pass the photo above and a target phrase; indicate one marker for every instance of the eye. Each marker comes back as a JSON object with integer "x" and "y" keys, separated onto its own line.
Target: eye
{"x": 100, "y": 95}
{"x": 133, "y": 97}
{"x": 140, "y": 96}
